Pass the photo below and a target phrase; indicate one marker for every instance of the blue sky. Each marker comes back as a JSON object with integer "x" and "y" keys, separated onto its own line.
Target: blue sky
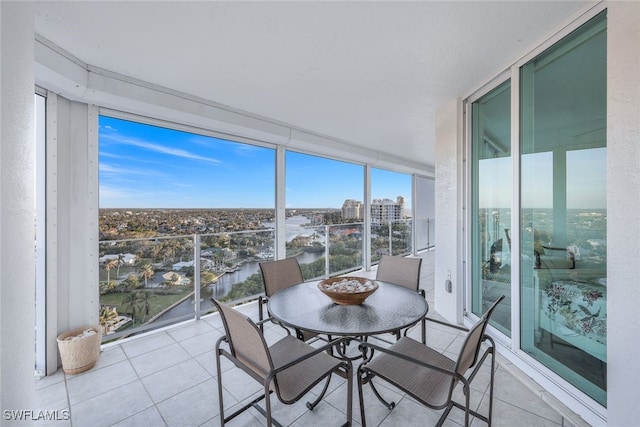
{"x": 143, "y": 166}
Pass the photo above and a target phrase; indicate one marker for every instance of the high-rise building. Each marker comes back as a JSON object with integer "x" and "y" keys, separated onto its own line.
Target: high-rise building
{"x": 385, "y": 211}
{"x": 352, "y": 209}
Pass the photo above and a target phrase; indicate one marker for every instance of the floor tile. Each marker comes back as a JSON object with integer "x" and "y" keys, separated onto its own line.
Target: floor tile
{"x": 156, "y": 360}
{"x": 510, "y": 390}
{"x": 507, "y": 415}
{"x": 137, "y": 346}
{"x": 204, "y": 343}
{"x": 193, "y": 406}
{"x": 53, "y": 397}
{"x": 174, "y": 380}
{"x": 98, "y": 381}
{"x": 110, "y": 355}
{"x": 189, "y": 330}
{"x": 150, "y": 417}
{"x": 54, "y": 378}
{"x": 111, "y": 406}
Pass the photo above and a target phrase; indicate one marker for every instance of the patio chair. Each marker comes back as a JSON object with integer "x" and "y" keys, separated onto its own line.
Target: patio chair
{"x": 279, "y": 275}
{"x": 405, "y": 272}
{"x": 429, "y": 376}
{"x": 290, "y": 368}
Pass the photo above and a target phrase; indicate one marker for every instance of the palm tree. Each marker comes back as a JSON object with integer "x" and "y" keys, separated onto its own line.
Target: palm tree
{"x": 144, "y": 297}
{"x": 112, "y": 263}
{"x": 147, "y": 273}
{"x": 107, "y": 314}
{"x": 132, "y": 301}
{"x": 119, "y": 262}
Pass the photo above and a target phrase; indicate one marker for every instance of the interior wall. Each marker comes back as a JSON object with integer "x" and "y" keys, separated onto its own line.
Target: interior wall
{"x": 623, "y": 207}
{"x": 17, "y": 208}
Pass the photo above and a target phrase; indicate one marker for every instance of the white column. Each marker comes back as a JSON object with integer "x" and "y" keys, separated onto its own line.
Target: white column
{"x": 623, "y": 208}
{"x": 72, "y": 216}
{"x": 281, "y": 198}
{"x": 17, "y": 206}
{"x": 448, "y": 202}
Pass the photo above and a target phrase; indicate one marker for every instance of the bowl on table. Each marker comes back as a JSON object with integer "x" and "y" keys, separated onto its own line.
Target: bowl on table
{"x": 348, "y": 290}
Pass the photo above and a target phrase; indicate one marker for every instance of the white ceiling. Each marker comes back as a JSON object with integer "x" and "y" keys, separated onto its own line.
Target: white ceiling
{"x": 369, "y": 73}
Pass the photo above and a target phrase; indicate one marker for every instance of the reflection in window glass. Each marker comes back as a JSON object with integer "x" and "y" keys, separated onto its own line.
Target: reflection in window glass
{"x": 491, "y": 205}
{"x": 563, "y": 209}
{"x": 390, "y": 213}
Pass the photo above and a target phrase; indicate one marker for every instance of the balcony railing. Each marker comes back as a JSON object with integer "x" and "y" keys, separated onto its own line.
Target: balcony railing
{"x": 150, "y": 283}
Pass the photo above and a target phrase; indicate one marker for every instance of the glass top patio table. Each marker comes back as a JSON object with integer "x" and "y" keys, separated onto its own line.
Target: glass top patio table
{"x": 390, "y": 308}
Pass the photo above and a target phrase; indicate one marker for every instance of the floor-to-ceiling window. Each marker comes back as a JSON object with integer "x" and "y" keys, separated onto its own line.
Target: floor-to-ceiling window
{"x": 391, "y": 203}
{"x": 563, "y": 208}
{"x": 166, "y": 196}
{"x": 325, "y": 214}
{"x": 491, "y": 204}
{"x": 424, "y": 221}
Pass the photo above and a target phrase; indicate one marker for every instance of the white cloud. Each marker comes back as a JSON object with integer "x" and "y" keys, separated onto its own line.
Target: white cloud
{"x": 159, "y": 148}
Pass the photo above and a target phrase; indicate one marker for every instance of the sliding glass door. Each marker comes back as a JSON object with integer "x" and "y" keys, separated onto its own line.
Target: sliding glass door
{"x": 491, "y": 204}
{"x": 555, "y": 273}
{"x": 563, "y": 208}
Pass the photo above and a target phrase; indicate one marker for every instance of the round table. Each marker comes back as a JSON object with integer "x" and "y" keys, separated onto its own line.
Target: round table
{"x": 305, "y": 307}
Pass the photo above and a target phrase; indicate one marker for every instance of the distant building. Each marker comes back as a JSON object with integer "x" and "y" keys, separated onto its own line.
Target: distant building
{"x": 127, "y": 259}
{"x": 177, "y": 278}
{"x": 383, "y": 211}
{"x": 352, "y": 209}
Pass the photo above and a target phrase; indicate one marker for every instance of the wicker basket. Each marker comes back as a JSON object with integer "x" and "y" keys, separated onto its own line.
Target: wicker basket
{"x": 347, "y": 297}
{"x": 82, "y": 354}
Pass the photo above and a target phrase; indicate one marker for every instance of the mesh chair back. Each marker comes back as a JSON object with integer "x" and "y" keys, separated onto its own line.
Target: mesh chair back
{"x": 471, "y": 348}
{"x": 280, "y": 274}
{"x": 246, "y": 343}
{"x": 400, "y": 270}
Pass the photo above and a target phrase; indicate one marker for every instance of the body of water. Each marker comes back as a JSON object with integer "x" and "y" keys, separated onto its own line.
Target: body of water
{"x": 225, "y": 283}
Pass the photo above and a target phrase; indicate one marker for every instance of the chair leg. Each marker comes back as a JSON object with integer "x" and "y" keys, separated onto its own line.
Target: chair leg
{"x": 467, "y": 404}
{"x": 444, "y": 415}
{"x": 220, "y": 390}
{"x": 267, "y": 404}
{"x": 493, "y": 369}
{"x": 311, "y": 405}
{"x": 389, "y": 406}
{"x": 363, "y": 419}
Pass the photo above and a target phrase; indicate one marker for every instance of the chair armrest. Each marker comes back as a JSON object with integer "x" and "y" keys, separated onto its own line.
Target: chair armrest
{"x": 317, "y": 350}
{"x": 450, "y": 325}
{"x": 259, "y": 323}
{"x": 454, "y": 374}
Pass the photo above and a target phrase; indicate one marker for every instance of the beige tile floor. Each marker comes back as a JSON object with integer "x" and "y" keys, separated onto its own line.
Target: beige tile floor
{"x": 168, "y": 378}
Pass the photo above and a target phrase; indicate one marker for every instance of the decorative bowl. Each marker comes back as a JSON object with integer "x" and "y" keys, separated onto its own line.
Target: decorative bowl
{"x": 348, "y": 290}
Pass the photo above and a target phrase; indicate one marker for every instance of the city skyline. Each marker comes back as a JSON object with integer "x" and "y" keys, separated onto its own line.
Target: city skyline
{"x": 145, "y": 166}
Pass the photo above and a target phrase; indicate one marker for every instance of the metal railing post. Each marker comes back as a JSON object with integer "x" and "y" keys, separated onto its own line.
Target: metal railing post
{"x": 326, "y": 250}
{"x": 196, "y": 275}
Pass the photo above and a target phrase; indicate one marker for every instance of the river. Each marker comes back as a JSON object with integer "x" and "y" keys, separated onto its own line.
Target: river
{"x": 224, "y": 284}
